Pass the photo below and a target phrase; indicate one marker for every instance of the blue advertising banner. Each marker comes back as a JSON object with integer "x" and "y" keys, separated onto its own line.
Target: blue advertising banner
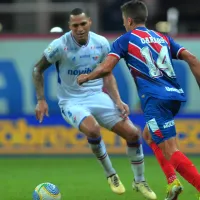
{"x": 17, "y": 94}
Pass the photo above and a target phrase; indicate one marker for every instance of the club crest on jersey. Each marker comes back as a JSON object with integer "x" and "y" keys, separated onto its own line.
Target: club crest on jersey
{"x": 95, "y": 57}
{"x": 74, "y": 119}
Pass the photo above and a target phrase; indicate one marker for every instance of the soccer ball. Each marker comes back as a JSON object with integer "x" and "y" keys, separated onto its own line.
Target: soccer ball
{"x": 46, "y": 191}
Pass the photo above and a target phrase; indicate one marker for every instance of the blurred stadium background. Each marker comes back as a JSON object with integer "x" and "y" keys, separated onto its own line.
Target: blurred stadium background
{"x": 24, "y": 33}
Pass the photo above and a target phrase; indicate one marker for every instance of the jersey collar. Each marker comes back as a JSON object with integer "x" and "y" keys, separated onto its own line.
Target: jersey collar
{"x": 142, "y": 28}
{"x": 78, "y": 43}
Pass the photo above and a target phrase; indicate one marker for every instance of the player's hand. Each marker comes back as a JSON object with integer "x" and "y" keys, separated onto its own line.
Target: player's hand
{"x": 82, "y": 79}
{"x": 41, "y": 110}
{"x": 124, "y": 109}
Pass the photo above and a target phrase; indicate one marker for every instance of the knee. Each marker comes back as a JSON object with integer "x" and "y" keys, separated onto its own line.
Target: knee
{"x": 147, "y": 140}
{"x": 94, "y": 132}
{"x": 133, "y": 135}
{"x": 167, "y": 150}
{"x": 167, "y": 153}
{"x": 147, "y": 136}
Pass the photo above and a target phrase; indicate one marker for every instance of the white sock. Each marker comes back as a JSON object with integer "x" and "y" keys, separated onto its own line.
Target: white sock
{"x": 99, "y": 149}
{"x": 136, "y": 157}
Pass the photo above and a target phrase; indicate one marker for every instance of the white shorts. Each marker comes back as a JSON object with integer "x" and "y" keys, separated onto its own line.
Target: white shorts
{"x": 100, "y": 105}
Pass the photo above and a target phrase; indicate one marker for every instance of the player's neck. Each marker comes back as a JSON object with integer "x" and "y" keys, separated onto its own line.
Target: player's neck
{"x": 134, "y": 26}
{"x": 81, "y": 42}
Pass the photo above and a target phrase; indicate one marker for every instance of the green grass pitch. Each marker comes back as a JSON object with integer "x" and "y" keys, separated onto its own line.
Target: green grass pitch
{"x": 79, "y": 178}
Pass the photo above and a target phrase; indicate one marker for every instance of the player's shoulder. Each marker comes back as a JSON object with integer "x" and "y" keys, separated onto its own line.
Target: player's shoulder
{"x": 62, "y": 40}
{"x": 58, "y": 41}
{"x": 160, "y": 34}
{"x": 58, "y": 44}
{"x": 124, "y": 37}
{"x": 55, "y": 42}
{"x": 165, "y": 36}
{"x": 98, "y": 38}
{"x": 65, "y": 38}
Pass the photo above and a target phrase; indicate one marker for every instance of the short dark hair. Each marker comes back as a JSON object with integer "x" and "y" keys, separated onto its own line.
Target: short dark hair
{"x": 137, "y": 10}
{"x": 77, "y": 11}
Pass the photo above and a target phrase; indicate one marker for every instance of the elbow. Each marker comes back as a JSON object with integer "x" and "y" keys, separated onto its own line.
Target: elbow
{"x": 106, "y": 71}
{"x": 192, "y": 60}
{"x": 188, "y": 57}
{"x": 36, "y": 72}
{"x": 107, "y": 79}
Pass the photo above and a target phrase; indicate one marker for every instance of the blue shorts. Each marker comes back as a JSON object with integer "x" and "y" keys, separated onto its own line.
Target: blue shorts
{"x": 159, "y": 115}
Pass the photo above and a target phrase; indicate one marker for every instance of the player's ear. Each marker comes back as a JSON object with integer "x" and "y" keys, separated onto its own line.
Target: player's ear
{"x": 130, "y": 21}
{"x": 69, "y": 25}
{"x": 90, "y": 21}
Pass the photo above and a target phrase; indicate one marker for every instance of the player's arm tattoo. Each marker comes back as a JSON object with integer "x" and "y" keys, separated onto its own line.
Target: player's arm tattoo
{"x": 38, "y": 78}
{"x": 111, "y": 86}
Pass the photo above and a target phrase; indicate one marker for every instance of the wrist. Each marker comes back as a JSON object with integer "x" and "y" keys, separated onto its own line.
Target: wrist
{"x": 87, "y": 78}
{"x": 41, "y": 98}
{"x": 118, "y": 101}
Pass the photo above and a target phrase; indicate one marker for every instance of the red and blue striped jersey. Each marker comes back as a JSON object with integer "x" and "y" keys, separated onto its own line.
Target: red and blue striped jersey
{"x": 148, "y": 55}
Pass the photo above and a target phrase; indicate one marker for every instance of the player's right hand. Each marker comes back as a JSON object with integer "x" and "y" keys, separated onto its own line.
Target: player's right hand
{"x": 82, "y": 78}
{"x": 41, "y": 110}
{"x": 124, "y": 109}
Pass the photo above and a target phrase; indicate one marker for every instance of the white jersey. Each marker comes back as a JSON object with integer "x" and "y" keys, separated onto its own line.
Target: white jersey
{"x": 72, "y": 59}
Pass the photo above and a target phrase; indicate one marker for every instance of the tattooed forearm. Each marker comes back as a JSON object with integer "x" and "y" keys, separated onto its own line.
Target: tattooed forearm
{"x": 38, "y": 82}
{"x": 38, "y": 78}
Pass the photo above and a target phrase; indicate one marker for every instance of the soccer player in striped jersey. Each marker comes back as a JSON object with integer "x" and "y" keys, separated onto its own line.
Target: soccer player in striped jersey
{"x": 148, "y": 55}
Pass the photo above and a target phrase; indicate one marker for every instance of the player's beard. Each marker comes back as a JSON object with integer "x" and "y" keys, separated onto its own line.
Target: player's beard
{"x": 82, "y": 39}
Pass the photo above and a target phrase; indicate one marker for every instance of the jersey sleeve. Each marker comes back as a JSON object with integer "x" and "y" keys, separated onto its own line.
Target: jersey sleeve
{"x": 53, "y": 51}
{"x": 175, "y": 48}
{"x": 105, "y": 49}
{"x": 120, "y": 46}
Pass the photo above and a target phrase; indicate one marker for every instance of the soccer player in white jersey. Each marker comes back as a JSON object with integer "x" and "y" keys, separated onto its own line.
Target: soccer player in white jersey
{"x": 87, "y": 107}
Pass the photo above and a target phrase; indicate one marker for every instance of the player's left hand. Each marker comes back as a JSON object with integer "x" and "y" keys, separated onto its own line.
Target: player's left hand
{"x": 82, "y": 79}
{"x": 124, "y": 109}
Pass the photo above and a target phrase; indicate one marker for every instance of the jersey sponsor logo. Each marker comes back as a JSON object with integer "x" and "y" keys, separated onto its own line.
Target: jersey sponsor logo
{"x": 79, "y": 71}
{"x": 174, "y": 90}
{"x": 149, "y": 40}
{"x": 169, "y": 124}
{"x": 72, "y": 48}
{"x": 98, "y": 47}
{"x": 52, "y": 54}
{"x": 85, "y": 56}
